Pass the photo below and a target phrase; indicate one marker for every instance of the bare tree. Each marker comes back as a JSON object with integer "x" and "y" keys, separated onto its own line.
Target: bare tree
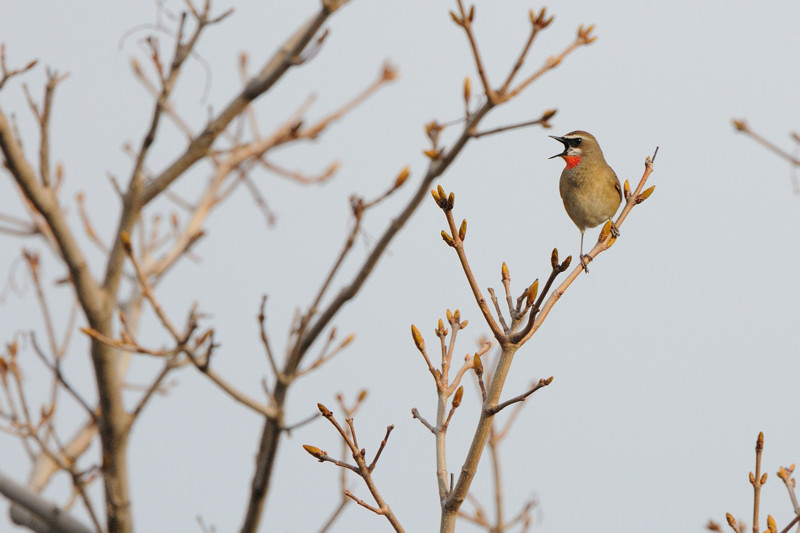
{"x": 146, "y": 245}
{"x": 757, "y": 480}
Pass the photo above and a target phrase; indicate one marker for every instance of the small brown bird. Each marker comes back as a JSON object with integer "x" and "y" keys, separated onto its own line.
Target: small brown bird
{"x": 589, "y": 187}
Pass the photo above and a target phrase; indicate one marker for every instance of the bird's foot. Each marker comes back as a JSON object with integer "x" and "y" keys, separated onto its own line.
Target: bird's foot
{"x": 614, "y": 230}
{"x": 585, "y": 260}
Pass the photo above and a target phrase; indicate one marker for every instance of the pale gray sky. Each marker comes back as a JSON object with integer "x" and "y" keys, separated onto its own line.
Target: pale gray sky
{"x": 668, "y": 358}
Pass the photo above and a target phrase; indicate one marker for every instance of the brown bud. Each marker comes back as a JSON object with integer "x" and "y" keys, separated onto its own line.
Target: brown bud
{"x": 760, "y": 441}
{"x": 457, "y": 316}
{"x": 471, "y": 13}
{"x": 554, "y": 258}
{"x": 402, "y": 177}
{"x": 433, "y": 154}
{"x": 464, "y": 324}
{"x": 456, "y": 19}
{"x": 773, "y": 528}
{"x": 435, "y": 195}
{"x": 467, "y": 90}
{"x": 447, "y": 238}
{"x": 457, "y": 396}
{"x": 763, "y": 479}
{"x": 441, "y": 331}
{"x": 504, "y": 272}
{"x": 449, "y": 316}
{"x": 324, "y": 410}
{"x": 549, "y": 380}
{"x": 477, "y": 365}
{"x": 417, "y": 336}
{"x": 313, "y": 450}
{"x": 462, "y": 231}
{"x": 347, "y": 340}
{"x": 126, "y": 242}
{"x": 645, "y": 194}
{"x": 451, "y": 201}
{"x": 731, "y": 520}
{"x": 362, "y": 395}
{"x": 740, "y": 125}
{"x": 388, "y": 72}
{"x": 565, "y": 264}
{"x": 605, "y": 232}
{"x": 533, "y": 292}
{"x": 752, "y": 479}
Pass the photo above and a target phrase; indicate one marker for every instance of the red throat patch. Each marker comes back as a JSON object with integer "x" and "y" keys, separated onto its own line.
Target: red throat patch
{"x": 572, "y": 161}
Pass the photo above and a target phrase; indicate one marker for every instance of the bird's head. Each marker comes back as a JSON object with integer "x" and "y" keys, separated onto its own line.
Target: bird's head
{"x": 577, "y": 145}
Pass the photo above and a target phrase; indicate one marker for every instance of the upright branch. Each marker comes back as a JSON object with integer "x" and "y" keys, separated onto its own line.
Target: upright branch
{"x": 785, "y": 475}
{"x": 497, "y": 434}
{"x": 530, "y": 309}
{"x": 317, "y": 317}
{"x": 757, "y": 481}
{"x": 445, "y": 388}
{"x": 361, "y": 467}
{"x": 349, "y": 411}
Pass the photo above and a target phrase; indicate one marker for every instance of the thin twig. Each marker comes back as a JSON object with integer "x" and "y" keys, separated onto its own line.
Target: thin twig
{"x": 520, "y": 398}
{"x": 757, "y": 481}
{"x": 415, "y": 414}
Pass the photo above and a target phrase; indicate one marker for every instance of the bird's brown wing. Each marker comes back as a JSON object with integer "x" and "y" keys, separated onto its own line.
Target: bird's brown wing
{"x": 617, "y": 186}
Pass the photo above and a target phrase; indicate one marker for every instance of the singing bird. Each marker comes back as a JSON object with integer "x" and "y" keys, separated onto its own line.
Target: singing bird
{"x": 589, "y": 187}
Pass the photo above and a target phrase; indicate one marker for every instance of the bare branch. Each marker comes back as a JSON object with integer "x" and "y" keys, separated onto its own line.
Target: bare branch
{"x": 520, "y": 398}
{"x": 6, "y": 74}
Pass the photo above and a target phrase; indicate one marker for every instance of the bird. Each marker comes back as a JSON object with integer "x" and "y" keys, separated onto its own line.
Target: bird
{"x": 589, "y": 187}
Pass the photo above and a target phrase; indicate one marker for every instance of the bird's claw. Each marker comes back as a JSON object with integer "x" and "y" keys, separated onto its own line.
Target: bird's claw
{"x": 585, "y": 259}
{"x": 614, "y": 230}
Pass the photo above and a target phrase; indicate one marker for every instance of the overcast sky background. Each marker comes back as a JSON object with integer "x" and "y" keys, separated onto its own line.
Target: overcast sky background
{"x": 669, "y": 357}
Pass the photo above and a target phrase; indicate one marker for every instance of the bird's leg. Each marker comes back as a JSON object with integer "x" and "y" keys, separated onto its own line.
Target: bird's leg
{"x": 614, "y": 229}
{"x": 584, "y": 258}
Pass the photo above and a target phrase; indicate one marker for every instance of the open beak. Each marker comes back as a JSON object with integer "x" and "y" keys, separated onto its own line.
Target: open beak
{"x": 562, "y": 141}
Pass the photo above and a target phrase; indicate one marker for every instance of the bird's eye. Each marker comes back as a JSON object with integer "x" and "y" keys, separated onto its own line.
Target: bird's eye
{"x": 576, "y": 141}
